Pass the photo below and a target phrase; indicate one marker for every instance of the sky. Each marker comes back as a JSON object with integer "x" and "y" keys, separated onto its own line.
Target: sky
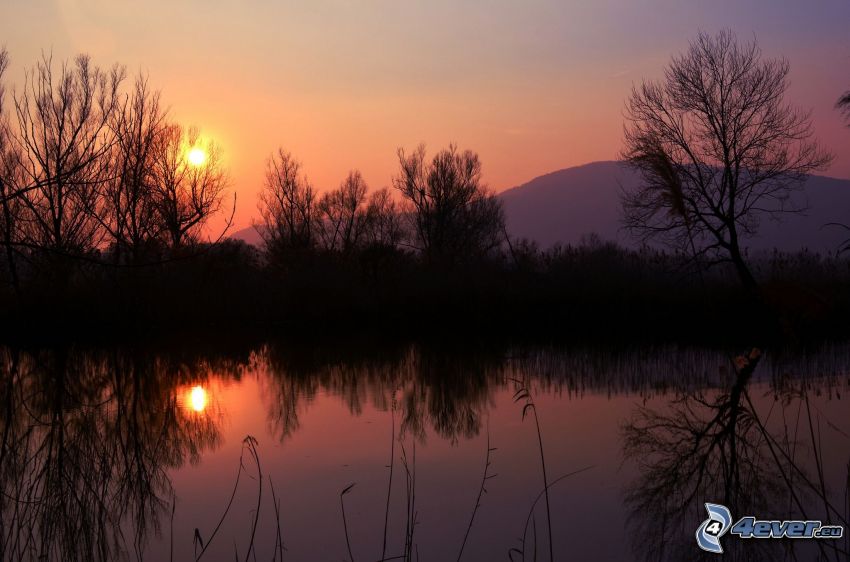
{"x": 533, "y": 86}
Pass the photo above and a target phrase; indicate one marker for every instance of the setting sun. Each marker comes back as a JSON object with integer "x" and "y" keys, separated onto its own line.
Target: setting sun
{"x": 197, "y": 156}
{"x": 198, "y": 398}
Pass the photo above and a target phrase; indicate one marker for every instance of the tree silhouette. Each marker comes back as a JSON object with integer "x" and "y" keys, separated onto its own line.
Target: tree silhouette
{"x": 718, "y": 149}
{"x": 8, "y": 169}
{"x": 129, "y": 212}
{"x": 453, "y": 215}
{"x": 383, "y": 224}
{"x": 63, "y": 133}
{"x": 187, "y": 193}
{"x": 342, "y": 215}
{"x": 287, "y": 206}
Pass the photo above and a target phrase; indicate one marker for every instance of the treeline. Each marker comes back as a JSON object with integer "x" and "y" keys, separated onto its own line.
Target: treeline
{"x": 591, "y": 292}
{"x": 445, "y": 214}
{"x": 106, "y": 203}
{"x": 96, "y": 172}
{"x": 91, "y": 172}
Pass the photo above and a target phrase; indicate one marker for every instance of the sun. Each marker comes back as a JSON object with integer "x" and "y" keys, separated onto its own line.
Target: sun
{"x": 197, "y": 156}
{"x": 198, "y": 398}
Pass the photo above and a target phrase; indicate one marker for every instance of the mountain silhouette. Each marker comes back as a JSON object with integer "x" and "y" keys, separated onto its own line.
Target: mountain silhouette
{"x": 567, "y": 205}
{"x": 248, "y": 235}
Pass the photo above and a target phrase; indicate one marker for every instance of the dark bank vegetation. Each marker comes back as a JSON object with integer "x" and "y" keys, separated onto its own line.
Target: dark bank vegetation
{"x": 107, "y": 205}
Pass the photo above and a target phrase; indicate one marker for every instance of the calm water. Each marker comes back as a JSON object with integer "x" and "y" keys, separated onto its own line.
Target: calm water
{"x": 123, "y": 454}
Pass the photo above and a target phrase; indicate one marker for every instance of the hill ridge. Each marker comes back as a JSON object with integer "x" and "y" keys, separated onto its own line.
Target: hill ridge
{"x": 564, "y": 205}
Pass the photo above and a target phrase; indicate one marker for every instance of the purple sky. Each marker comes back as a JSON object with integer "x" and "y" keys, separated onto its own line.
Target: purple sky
{"x": 533, "y": 85}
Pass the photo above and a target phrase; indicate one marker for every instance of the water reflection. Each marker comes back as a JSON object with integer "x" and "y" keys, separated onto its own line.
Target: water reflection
{"x": 92, "y": 439}
{"x": 437, "y": 389}
{"x": 718, "y": 446}
{"x": 198, "y": 398}
{"x": 87, "y": 443}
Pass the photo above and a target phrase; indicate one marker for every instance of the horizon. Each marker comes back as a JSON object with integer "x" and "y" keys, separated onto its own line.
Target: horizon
{"x": 528, "y": 183}
{"x": 537, "y": 89}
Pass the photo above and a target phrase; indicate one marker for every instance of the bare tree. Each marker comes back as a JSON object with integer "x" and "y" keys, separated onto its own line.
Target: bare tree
{"x": 718, "y": 149}
{"x": 129, "y": 203}
{"x": 8, "y": 169}
{"x": 188, "y": 189}
{"x": 63, "y": 137}
{"x": 341, "y": 215}
{"x": 286, "y": 205}
{"x": 383, "y": 220}
{"x": 453, "y": 215}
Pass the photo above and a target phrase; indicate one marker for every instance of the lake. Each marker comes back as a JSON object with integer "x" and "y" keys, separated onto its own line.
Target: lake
{"x": 367, "y": 452}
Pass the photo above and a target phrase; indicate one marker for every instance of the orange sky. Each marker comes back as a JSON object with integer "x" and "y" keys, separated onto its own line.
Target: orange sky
{"x": 533, "y": 86}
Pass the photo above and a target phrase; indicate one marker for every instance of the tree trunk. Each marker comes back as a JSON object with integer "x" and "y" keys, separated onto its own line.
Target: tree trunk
{"x": 7, "y": 240}
{"x": 744, "y": 273}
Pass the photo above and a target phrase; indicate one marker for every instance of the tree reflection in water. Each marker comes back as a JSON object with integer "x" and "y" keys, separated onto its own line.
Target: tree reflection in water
{"x": 87, "y": 442}
{"x": 90, "y": 437}
{"x": 718, "y": 447}
{"x": 447, "y": 392}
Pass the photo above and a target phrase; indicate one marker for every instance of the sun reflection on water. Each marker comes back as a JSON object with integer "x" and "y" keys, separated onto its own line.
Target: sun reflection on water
{"x": 198, "y": 398}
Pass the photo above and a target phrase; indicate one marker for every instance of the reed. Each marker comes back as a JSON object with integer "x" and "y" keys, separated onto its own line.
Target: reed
{"x": 249, "y": 445}
{"x": 523, "y": 394}
{"x": 390, "y": 481}
{"x": 481, "y": 491}
{"x": 342, "y": 494}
